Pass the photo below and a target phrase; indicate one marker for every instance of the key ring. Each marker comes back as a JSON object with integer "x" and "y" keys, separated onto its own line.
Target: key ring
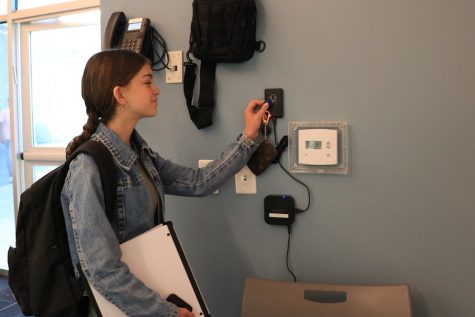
{"x": 266, "y": 117}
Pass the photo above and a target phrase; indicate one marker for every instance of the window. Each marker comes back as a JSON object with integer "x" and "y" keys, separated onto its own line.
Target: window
{"x": 3, "y": 7}
{"x": 56, "y": 51}
{"x": 44, "y": 46}
{"x": 41, "y": 170}
{"x": 25, "y": 4}
{"x": 7, "y": 215}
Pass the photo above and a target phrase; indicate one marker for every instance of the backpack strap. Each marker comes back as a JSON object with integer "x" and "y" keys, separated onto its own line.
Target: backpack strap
{"x": 106, "y": 166}
{"x": 202, "y": 116}
{"x": 105, "y": 163}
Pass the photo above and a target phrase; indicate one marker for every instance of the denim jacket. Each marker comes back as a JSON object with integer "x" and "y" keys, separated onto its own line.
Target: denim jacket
{"x": 94, "y": 241}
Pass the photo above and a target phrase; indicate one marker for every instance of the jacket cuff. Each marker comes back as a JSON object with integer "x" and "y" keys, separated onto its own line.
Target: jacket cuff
{"x": 247, "y": 142}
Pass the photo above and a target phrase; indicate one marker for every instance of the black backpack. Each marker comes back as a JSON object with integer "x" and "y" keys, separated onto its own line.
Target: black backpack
{"x": 222, "y": 31}
{"x": 41, "y": 274}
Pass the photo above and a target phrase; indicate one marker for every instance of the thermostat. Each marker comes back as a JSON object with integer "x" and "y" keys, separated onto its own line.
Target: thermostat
{"x": 318, "y": 146}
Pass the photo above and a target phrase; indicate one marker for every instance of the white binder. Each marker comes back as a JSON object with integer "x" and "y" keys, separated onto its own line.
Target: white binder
{"x": 157, "y": 259}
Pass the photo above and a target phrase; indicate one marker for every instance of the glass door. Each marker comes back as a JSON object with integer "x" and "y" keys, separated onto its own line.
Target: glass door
{"x": 7, "y": 215}
{"x": 43, "y": 51}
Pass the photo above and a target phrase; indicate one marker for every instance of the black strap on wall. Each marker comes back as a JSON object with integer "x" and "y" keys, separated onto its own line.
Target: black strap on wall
{"x": 201, "y": 115}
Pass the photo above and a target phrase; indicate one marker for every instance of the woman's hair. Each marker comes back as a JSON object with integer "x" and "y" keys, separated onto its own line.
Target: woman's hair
{"x": 103, "y": 72}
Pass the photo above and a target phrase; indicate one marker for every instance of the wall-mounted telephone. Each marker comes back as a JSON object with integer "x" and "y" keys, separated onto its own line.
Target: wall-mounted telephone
{"x": 130, "y": 34}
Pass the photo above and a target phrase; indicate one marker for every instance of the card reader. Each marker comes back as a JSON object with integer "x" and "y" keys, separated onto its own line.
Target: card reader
{"x": 279, "y": 210}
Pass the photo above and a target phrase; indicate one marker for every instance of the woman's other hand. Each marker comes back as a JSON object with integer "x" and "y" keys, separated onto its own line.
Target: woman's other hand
{"x": 253, "y": 115}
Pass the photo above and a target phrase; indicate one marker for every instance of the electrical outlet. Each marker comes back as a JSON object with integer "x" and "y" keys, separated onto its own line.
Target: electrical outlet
{"x": 245, "y": 181}
{"x": 276, "y": 95}
{"x": 203, "y": 163}
{"x": 174, "y": 75}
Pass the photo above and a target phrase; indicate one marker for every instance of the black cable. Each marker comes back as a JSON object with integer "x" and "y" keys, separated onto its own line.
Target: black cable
{"x": 274, "y": 123}
{"x": 161, "y": 52}
{"x": 289, "y": 227}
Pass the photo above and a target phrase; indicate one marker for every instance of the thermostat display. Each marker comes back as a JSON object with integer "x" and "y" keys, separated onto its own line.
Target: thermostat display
{"x": 318, "y": 146}
{"x": 315, "y": 145}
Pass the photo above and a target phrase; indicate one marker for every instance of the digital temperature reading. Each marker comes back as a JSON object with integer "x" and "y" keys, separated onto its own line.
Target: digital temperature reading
{"x": 313, "y": 145}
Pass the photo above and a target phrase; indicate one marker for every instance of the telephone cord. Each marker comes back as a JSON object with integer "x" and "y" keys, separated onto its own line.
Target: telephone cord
{"x": 161, "y": 52}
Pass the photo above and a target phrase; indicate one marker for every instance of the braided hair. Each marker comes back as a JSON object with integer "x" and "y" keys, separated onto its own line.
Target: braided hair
{"x": 104, "y": 71}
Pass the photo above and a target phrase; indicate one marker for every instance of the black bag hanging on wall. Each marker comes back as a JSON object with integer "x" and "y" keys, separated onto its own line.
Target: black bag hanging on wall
{"x": 222, "y": 31}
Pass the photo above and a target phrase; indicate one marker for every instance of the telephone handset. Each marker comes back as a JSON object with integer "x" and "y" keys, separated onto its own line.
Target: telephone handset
{"x": 130, "y": 34}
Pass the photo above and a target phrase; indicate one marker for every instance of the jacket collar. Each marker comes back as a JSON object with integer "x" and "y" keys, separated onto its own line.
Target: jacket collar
{"x": 123, "y": 153}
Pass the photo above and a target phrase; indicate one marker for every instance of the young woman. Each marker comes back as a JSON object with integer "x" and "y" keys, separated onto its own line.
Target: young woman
{"x": 118, "y": 90}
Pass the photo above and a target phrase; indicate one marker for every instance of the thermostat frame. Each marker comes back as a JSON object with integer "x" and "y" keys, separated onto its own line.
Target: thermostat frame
{"x": 343, "y": 147}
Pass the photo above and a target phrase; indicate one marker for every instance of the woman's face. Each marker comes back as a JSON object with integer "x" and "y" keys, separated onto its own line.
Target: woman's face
{"x": 141, "y": 94}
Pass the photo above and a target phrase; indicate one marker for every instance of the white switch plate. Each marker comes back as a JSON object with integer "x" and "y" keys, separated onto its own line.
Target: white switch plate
{"x": 245, "y": 181}
{"x": 175, "y": 74}
{"x": 203, "y": 163}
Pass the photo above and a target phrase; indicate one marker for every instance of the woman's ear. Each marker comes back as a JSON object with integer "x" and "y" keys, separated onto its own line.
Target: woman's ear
{"x": 118, "y": 95}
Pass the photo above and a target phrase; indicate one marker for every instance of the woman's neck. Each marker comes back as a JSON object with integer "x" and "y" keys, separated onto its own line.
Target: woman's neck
{"x": 123, "y": 128}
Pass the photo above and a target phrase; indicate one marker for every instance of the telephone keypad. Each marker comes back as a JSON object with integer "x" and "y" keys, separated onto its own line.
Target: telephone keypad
{"x": 132, "y": 44}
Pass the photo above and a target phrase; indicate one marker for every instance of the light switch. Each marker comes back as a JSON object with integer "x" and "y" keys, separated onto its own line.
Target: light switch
{"x": 174, "y": 75}
{"x": 245, "y": 181}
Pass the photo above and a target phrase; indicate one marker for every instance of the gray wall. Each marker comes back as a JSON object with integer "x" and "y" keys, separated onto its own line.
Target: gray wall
{"x": 402, "y": 73}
